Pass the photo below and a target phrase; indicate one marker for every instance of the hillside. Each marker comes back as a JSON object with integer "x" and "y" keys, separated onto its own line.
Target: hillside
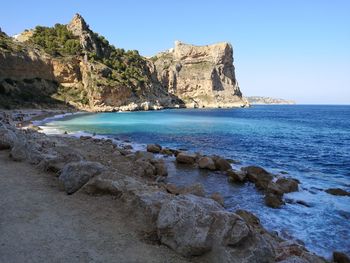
{"x": 70, "y": 65}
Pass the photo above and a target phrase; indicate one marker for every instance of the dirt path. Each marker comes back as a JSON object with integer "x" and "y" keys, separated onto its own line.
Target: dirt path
{"x": 40, "y": 223}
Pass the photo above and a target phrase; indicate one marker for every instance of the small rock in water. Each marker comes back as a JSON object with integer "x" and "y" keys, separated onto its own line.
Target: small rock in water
{"x": 221, "y": 164}
{"x": 166, "y": 151}
{"x": 236, "y": 176}
{"x": 206, "y": 163}
{"x": 340, "y": 257}
{"x": 154, "y": 148}
{"x": 274, "y": 201}
{"x": 275, "y": 189}
{"x": 337, "y": 191}
{"x": 288, "y": 185}
{"x": 186, "y": 158}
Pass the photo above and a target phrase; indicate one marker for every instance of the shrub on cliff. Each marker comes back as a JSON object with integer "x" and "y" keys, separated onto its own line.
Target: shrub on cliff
{"x": 56, "y": 40}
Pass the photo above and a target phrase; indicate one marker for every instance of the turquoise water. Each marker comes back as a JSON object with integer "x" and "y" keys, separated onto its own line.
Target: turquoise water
{"x": 311, "y": 143}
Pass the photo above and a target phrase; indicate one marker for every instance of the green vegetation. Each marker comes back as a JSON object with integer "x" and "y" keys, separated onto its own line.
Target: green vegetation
{"x": 7, "y": 44}
{"x": 129, "y": 67}
{"x": 71, "y": 94}
{"x": 56, "y": 40}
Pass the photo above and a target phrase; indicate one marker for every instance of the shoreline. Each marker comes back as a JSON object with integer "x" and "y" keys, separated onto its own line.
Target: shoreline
{"x": 130, "y": 155}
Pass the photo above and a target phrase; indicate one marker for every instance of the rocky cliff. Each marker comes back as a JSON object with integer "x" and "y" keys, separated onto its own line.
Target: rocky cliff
{"x": 72, "y": 65}
{"x": 202, "y": 76}
{"x": 268, "y": 100}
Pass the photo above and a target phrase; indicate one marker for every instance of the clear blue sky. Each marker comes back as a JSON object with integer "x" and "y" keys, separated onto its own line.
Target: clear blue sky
{"x": 295, "y": 49}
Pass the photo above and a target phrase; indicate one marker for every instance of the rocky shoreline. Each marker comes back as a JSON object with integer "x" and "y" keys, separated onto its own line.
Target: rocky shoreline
{"x": 183, "y": 219}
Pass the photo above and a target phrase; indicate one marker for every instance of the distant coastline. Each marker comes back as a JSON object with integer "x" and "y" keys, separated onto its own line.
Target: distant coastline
{"x": 268, "y": 100}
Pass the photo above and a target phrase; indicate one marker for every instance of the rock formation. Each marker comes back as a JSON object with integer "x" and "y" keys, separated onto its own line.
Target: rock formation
{"x": 202, "y": 76}
{"x": 96, "y": 76}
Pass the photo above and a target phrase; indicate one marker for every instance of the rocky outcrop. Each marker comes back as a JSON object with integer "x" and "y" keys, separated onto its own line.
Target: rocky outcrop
{"x": 95, "y": 79}
{"x": 202, "y": 76}
{"x": 268, "y": 100}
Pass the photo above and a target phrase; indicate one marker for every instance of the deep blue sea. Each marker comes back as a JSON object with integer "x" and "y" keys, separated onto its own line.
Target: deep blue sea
{"x": 310, "y": 142}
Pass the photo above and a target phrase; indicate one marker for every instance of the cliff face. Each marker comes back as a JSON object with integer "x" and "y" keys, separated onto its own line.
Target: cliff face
{"x": 202, "y": 76}
{"x": 103, "y": 78}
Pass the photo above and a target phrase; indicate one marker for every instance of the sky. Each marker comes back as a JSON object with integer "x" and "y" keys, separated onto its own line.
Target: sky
{"x": 292, "y": 49}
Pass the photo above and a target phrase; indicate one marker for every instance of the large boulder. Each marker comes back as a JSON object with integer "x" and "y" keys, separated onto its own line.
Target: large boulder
{"x": 74, "y": 175}
{"x": 288, "y": 185}
{"x": 7, "y": 138}
{"x": 192, "y": 225}
{"x": 19, "y": 151}
{"x": 206, "y": 163}
{"x": 154, "y": 148}
{"x": 186, "y": 158}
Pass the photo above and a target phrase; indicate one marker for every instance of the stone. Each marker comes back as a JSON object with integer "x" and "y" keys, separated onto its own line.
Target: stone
{"x": 184, "y": 223}
{"x": 104, "y": 184}
{"x": 60, "y": 156}
{"x": 340, "y": 257}
{"x": 172, "y": 189}
{"x": 273, "y": 201}
{"x": 206, "y": 163}
{"x": 288, "y": 185}
{"x": 7, "y": 139}
{"x": 337, "y": 191}
{"x": 254, "y": 171}
{"x": 166, "y": 151}
{"x": 154, "y": 148}
{"x": 193, "y": 225}
{"x": 218, "y": 198}
{"x": 75, "y": 174}
{"x": 275, "y": 189}
{"x": 236, "y": 176}
{"x": 144, "y": 155}
{"x": 222, "y": 164}
{"x": 259, "y": 176}
{"x": 249, "y": 217}
{"x": 161, "y": 168}
{"x": 19, "y": 152}
{"x": 186, "y": 158}
{"x": 145, "y": 168}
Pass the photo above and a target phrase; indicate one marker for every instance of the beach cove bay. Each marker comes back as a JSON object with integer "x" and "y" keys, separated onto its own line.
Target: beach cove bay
{"x": 309, "y": 142}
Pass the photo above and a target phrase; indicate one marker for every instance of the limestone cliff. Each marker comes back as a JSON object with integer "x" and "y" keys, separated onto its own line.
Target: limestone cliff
{"x": 202, "y": 76}
{"x": 80, "y": 68}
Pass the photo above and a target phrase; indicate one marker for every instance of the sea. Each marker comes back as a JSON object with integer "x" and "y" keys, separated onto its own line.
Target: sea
{"x": 307, "y": 142}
